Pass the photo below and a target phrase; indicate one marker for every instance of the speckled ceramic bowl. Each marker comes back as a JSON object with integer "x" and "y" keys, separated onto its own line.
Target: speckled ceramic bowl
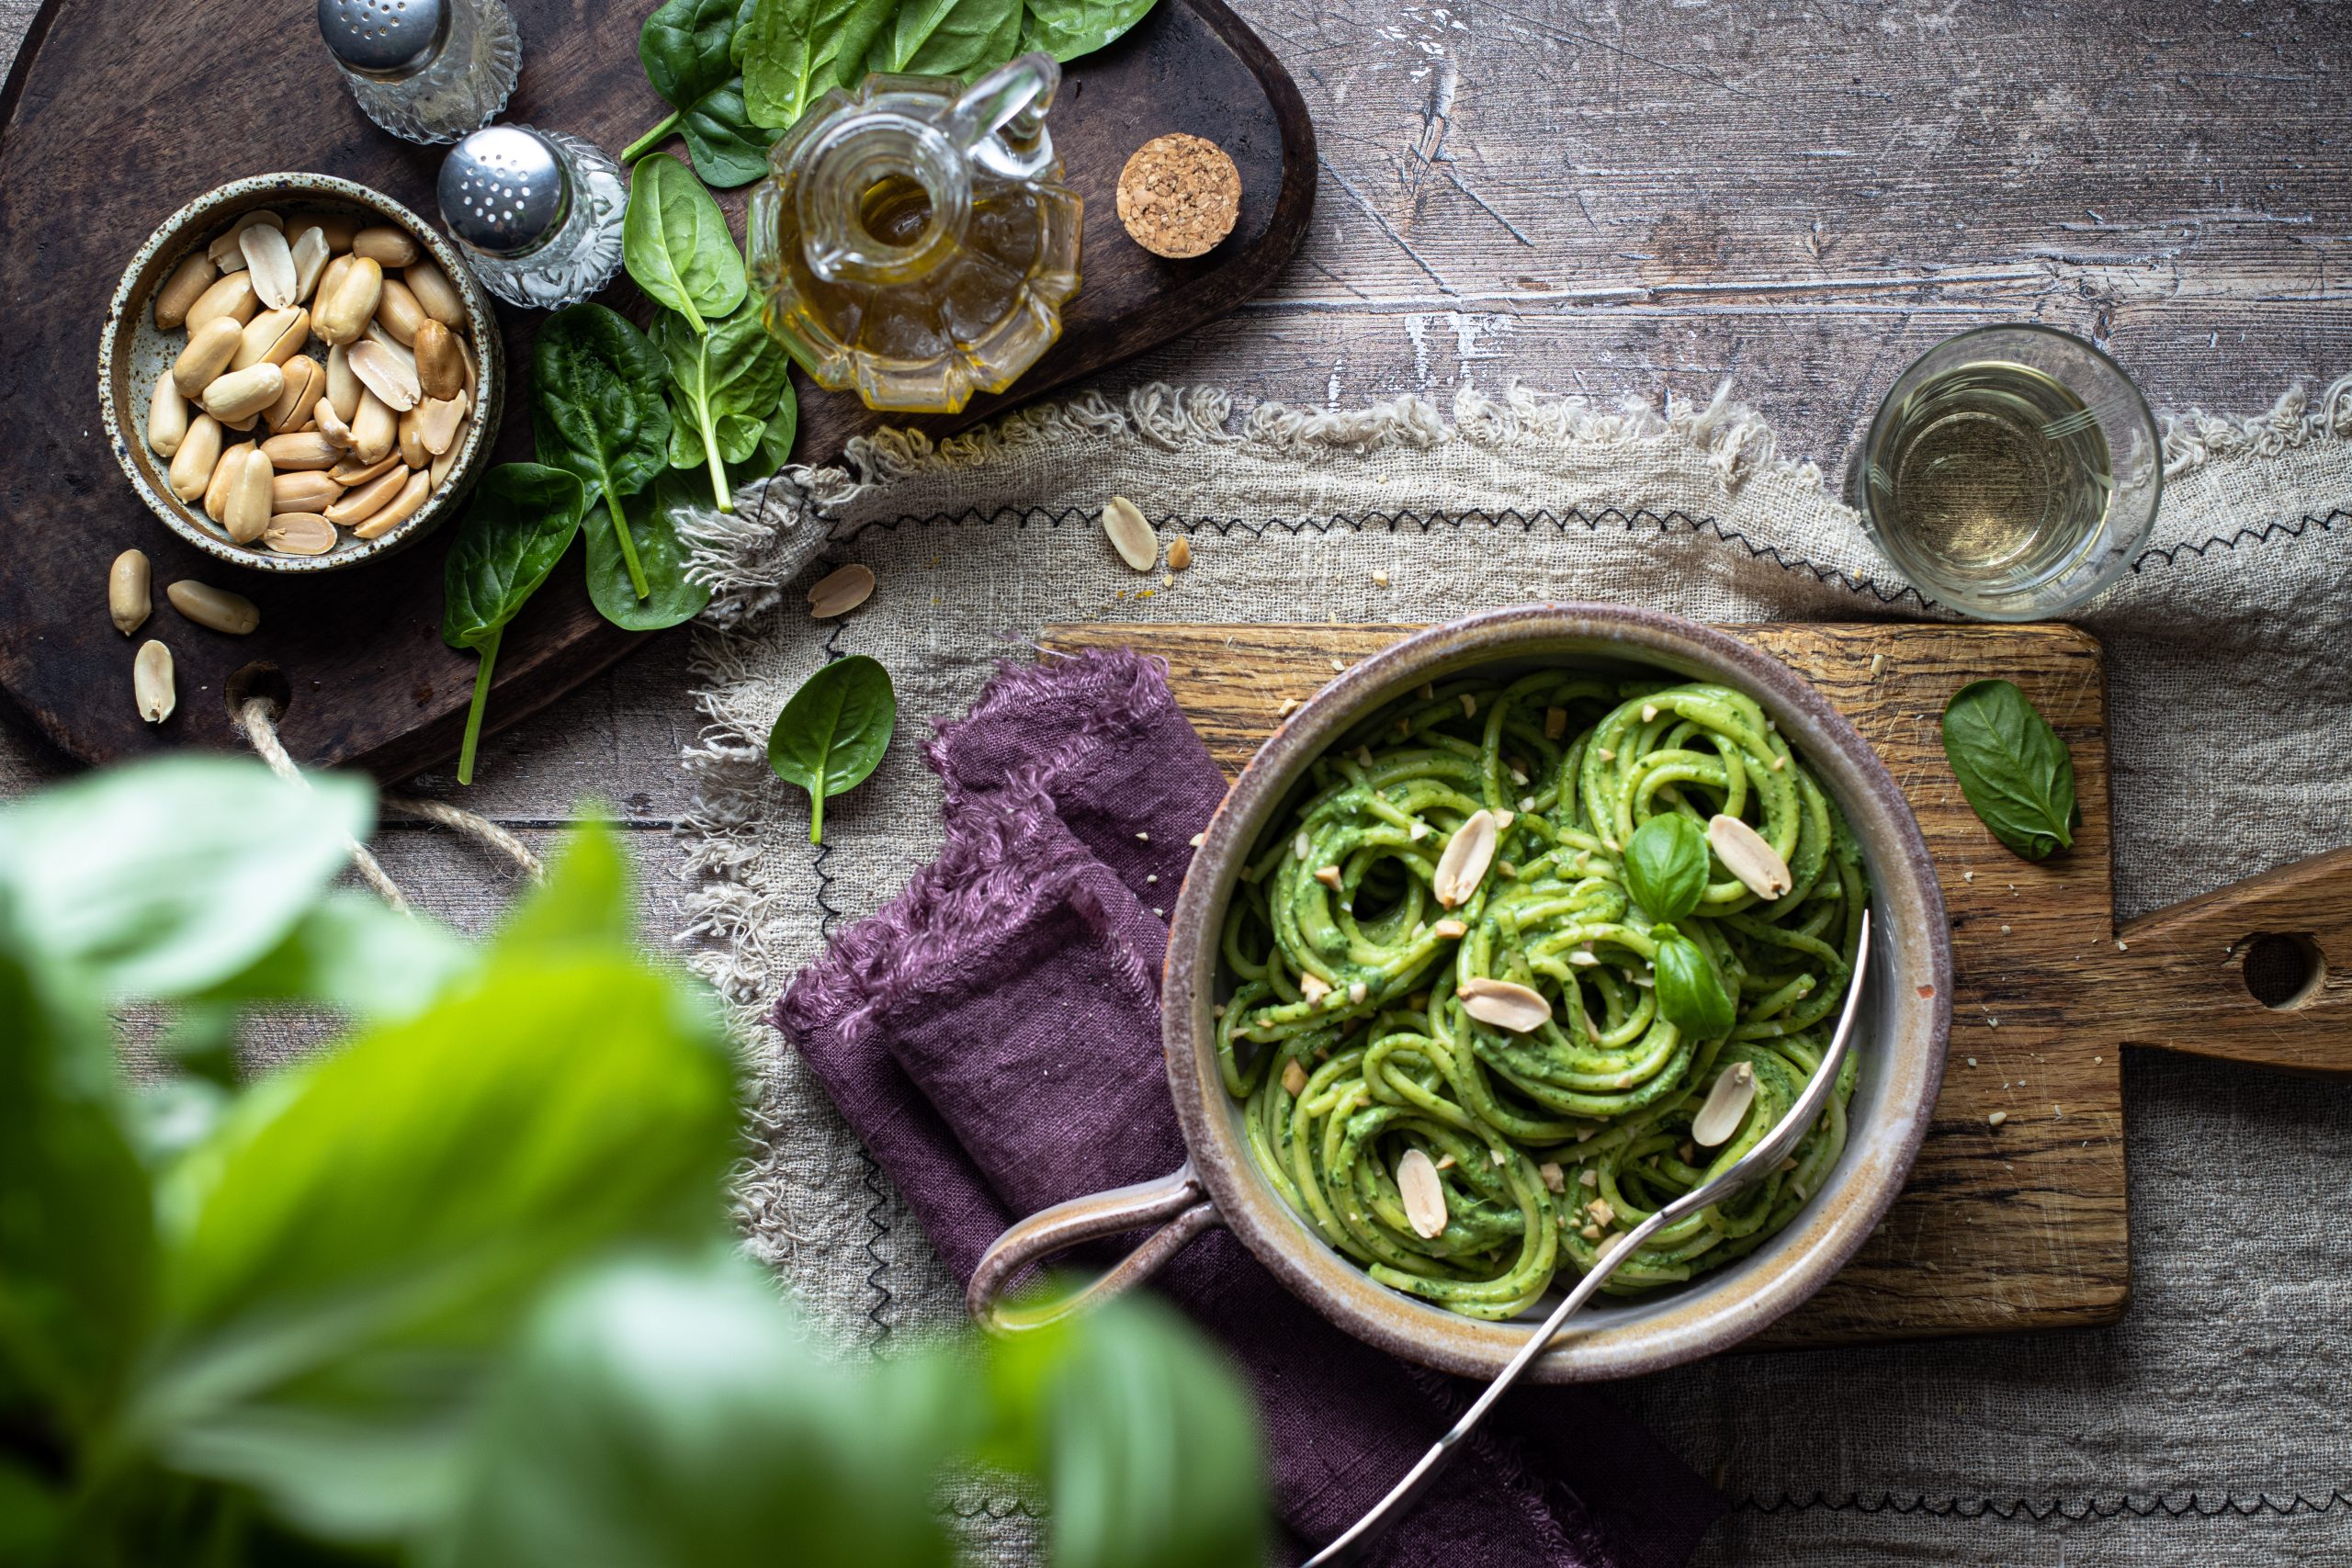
{"x": 1905, "y": 1018}
{"x": 132, "y": 353}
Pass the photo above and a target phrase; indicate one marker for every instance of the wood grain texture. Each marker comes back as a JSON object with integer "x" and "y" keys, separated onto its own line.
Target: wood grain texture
{"x": 373, "y": 684}
{"x": 2019, "y": 1225}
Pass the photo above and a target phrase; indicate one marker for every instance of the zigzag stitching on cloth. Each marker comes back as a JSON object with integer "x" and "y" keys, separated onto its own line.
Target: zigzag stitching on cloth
{"x": 1666, "y": 523}
{"x": 877, "y": 1213}
{"x": 2078, "y": 1513}
{"x": 2261, "y": 535}
{"x": 1013, "y": 1508}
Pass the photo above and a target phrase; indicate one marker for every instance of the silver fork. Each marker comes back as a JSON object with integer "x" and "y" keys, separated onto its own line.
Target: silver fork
{"x": 1775, "y": 1147}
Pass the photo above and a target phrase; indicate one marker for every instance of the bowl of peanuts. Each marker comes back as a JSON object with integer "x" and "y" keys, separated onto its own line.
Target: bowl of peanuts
{"x": 299, "y": 374}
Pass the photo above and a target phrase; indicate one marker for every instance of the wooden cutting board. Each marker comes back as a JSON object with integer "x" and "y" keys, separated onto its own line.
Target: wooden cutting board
{"x": 2019, "y": 1225}
{"x": 117, "y": 111}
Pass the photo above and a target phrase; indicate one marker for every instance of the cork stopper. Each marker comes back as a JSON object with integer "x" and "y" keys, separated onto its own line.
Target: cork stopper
{"x": 1179, "y": 195}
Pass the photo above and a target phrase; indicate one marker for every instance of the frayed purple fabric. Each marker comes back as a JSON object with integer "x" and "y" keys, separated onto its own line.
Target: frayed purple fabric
{"x": 993, "y": 1037}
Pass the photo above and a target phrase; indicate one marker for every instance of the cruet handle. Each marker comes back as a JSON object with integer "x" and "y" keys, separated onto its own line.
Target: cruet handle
{"x": 1000, "y": 120}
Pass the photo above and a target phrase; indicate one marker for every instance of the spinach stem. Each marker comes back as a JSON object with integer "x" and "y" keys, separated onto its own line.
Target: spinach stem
{"x": 489, "y": 652}
{"x": 651, "y": 139}
{"x": 620, "y": 533}
{"x": 817, "y": 815}
{"x": 717, "y": 467}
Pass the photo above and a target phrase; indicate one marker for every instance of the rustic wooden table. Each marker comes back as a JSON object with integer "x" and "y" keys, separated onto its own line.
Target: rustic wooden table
{"x": 1663, "y": 196}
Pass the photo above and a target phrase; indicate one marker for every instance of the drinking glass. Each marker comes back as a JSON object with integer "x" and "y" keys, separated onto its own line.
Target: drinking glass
{"x": 2012, "y": 473}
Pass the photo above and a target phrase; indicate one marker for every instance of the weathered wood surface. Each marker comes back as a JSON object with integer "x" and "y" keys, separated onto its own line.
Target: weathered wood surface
{"x": 2022, "y": 1225}
{"x": 373, "y": 684}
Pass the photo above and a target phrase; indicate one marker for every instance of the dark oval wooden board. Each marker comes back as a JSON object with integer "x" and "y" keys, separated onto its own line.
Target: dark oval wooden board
{"x": 117, "y": 112}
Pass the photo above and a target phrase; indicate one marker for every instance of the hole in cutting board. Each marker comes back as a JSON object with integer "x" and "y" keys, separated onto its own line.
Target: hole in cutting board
{"x": 2283, "y": 971}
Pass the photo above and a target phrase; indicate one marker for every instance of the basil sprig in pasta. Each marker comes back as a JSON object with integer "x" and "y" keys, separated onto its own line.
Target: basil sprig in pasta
{"x": 1444, "y": 1018}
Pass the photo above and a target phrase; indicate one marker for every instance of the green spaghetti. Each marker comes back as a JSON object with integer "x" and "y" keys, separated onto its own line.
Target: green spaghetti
{"x": 1439, "y": 966}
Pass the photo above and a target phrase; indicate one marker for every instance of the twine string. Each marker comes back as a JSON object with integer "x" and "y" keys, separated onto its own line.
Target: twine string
{"x": 257, "y": 718}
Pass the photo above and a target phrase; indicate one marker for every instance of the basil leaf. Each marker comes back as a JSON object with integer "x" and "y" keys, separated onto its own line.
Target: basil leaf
{"x": 834, "y": 732}
{"x": 597, "y": 409}
{"x": 676, "y": 245}
{"x": 157, "y": 881}
{"x": 521, "y": 521}
{"x": 793, "y": 51}
{"x": 661, "y": 552}
{"x": 1666, "y": 866}
{"x": 723, "y": 384}
{"x": 1689, "y": 993}
{"x": 76, "y": 1224}
{"x": 356, "y": 1246}
{"x": 1067, "y": 29}
{"x": 672, "y": 1403}
{"x": 2013, "y": 768}
{"x": 948, "y": 38}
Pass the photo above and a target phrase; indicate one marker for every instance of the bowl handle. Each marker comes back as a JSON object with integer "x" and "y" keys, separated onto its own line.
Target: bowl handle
{"x": 1178, "y": 1199}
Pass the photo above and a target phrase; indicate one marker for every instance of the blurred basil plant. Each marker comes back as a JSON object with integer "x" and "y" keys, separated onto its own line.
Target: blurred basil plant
{"x": 460, "y": 1291}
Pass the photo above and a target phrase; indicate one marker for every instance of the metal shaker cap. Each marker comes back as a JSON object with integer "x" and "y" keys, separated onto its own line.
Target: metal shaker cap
{"x": 504, "y": 189}
{"x": 385, "y": 39}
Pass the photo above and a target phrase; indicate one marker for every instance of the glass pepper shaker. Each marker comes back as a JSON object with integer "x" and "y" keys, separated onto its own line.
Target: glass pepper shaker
{"x": 915, "y": 240}
{"x": 424, "y": 70}
{"x": 538, "y": 213}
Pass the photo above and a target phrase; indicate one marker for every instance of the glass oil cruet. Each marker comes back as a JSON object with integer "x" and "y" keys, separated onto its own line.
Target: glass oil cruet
{"x": 915, "y": 241}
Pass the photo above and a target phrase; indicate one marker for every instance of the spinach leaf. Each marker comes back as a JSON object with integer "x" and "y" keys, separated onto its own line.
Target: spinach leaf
{"x": 1666, "y": 866}
{"x": 2012, "y": 768}
{"x": 834, "y": 732}
{"x": 792, "y": 52}
{"x": 1067, "y": 29}
{"x": 675, "y": 243}
{"x": 948, "y": 38}
{"x": 776, "y": 435}
{"x": 1689, "y": 993}
{"x": 661, "y": 553}
{"x": 686, "y": 46}
{"x": 520, "y": 523}
{"x": 723, "y": 386}
{"x": 598, "y": 410}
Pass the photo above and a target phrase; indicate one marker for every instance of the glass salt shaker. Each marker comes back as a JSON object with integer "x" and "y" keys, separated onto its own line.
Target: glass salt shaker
{"x": 538, "y": 213}
{"x": 424, "y": 70}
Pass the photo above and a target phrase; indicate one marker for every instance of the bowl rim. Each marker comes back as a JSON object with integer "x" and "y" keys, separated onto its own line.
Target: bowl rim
{"x": 179, "y": 234}
{"x": 1715, "y": 1310}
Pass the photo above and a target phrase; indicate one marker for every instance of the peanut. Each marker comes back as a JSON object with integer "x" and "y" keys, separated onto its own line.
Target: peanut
{"x": 343, "y": 387}
{"x": 151, "y": 681}
{"x": 306, "y": 382}
{"x": 199, "y": 455}
{"x": 247, "y": 513}
{"x": 216, "y": 608}
{"x": 224, "y": 475}
{"x": 364, "y": 500}
{"x": 375, "y": 430}
{"x": 398, "y": 312}
{"x": 385, "y": 246}
{"x": 302, "y": 449}
{"x": 436, "y": 294}
{"x": 241, "y": 394}
{"x": 233, "y": 296}
{"x": 304, "y": 490}
{"x": 183, "y": 288}
{"x": 167, "y": 417}
{"x": 440, "y": 371}
{"x": 127, "y": 601}
{"x": 404, "y": 506}
{"x": 346, "y": 303}
{"x": 210, "y": 349}
{"x": 276, "y": 336}
{"x": 300, "y": 534}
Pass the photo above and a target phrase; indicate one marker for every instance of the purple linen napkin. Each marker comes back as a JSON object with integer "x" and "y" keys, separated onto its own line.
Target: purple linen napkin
{"x": 993, "y": 1037}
